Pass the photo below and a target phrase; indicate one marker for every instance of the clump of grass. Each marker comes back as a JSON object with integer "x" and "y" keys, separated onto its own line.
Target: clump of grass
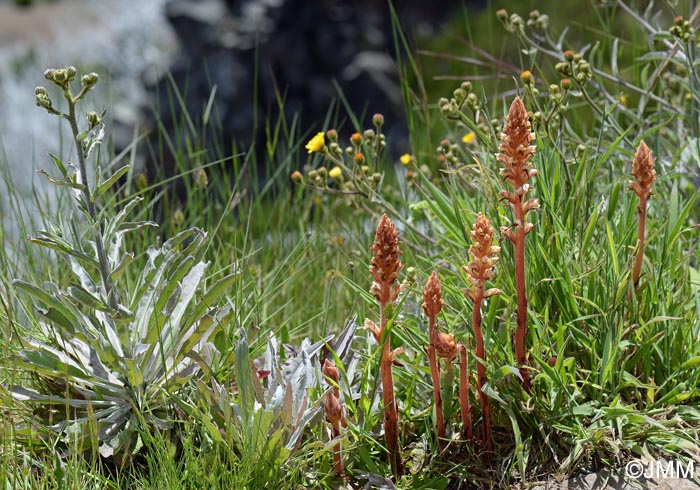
{"x": 642, "y": 185}
{"x": 515, "y": 154}
{"x": 385, "y": 288}
{"x": 480, "y": 270}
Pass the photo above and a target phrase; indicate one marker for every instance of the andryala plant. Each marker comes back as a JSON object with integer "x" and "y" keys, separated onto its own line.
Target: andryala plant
{"x": 111, "y": 354}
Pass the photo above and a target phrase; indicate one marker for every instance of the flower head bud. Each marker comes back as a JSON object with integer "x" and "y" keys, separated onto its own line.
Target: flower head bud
{"x": 473, "y": 102}
{"x": 322, "y": 172}
{"x": 369, "y": 134}
{"x": 332, "y": 135}
{"x": 335, "y": 149}
{"x": 297, "y": 178}
{"x": 376, "y": 177}
{"x": 577, "y": 58}
{"x": 466, "y": 86}
{"x": 406, "y": 159}
{"x": 356, "y": 139}
{"x": 459, "y": 94}
{"x": 527, "y": 77}
{"x": 336, "y": 173}
{"x": 313, "y": 174}
{"x": 565, "y": 84}
{"x": 93, "y": 119}
{"x": 444, "y": 145}
{"x": 378, "y": 120}
{"x": 359, "y": 158}
{"x": 41, "y": 91}
{"x": 89, "y": 80}
{"x": 569, "y": 55}
{"x": 678, "y": 20}
{"x": 502, "y": 15}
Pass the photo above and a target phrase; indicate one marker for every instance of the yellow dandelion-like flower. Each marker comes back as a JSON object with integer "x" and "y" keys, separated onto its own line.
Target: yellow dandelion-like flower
{"x": 469, "y": 138}
{"x": 317, "y": 143}
{"x": 335, "y": 172}
{"x": 405, "y": 158}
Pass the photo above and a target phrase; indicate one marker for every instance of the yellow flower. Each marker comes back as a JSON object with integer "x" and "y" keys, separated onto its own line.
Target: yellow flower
{"x": 623, "y": 100}
{"x": 469, "y": 138}
{"x": 317, "y": 143}
{"x": 335, "y": 172}
{"x": 405, "y": 158}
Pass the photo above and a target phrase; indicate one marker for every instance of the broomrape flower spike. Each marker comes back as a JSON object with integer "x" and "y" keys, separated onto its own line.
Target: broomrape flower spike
{"x": 385, "y": 287}
{"x": 432, "y": 304}
{"x": 334, "y": 412}
{"x": 316, "y": 144}
{"x": 515, "y": 154}
{"x": 480, "y": 270}
{"x": 642, "y": 185}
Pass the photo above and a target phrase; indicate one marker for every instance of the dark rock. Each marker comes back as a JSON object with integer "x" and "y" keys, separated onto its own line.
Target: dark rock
{"x": 301, "y": 49}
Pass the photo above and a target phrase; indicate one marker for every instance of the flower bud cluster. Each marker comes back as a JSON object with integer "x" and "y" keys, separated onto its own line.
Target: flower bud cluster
{"x": 574, "y": 66}
{"x": 682, "y": 29}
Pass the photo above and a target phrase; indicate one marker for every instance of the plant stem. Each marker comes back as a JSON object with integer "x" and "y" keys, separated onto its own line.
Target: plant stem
{"x": 481, "y": 370}
{"x": 642, "y": 210}
{"x": 391, "y": 414}
{"x": 521, "y": 291}
{"x": 435, "y": 373}
{"x": 465, "y": 408}
{"x": 99, "y": 245}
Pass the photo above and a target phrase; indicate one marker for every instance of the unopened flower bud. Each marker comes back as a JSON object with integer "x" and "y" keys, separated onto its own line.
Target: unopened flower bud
{"x": 359, "y": 158}
{"x": 466, "y": 86}
{"x": 356, "y": 139}
{"x": 332, "y": 135}
{"x": 376, "y": 177}
{"x": 313, "y": 174}
{"x": 378, "y": 120}
{"x": 473, "y": 102}
{"x": 502, "y": 15}
{"x": 527, "y": 78}
{"x": 41, "y": 91}
{"x": 323, "y": 172}
{"x": 297, "y": 178}
{"x": 565, "y": 84}
{"x": 369, "y": 134}
{"x": 89, "y": 80}
{"x": 459, "y": 94}
{"x": 569, "y": 55}
{"x": 93, "y": 119}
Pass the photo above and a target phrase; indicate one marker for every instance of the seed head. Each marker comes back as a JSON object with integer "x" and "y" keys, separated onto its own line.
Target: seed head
{"x": 432, "y": 296}
{"x": 643, "y": 172}
{"x": 385, "y": 262}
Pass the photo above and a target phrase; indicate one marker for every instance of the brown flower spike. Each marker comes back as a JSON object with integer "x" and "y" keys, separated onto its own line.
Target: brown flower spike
{"x": 334, "y": 412}
{"x": 432, "y": 304}
{"x": 515, "y": 154}
{"x": 480, "y": 269}
{"x": 385, "y": 271}
{"x": 642, "y": 185}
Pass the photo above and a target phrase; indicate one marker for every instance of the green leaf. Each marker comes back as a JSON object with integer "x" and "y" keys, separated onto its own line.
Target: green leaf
{"x": 104, "y": 186}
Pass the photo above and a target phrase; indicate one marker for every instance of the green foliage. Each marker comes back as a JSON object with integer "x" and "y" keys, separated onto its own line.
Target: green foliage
{"x": 130, "y": 353}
